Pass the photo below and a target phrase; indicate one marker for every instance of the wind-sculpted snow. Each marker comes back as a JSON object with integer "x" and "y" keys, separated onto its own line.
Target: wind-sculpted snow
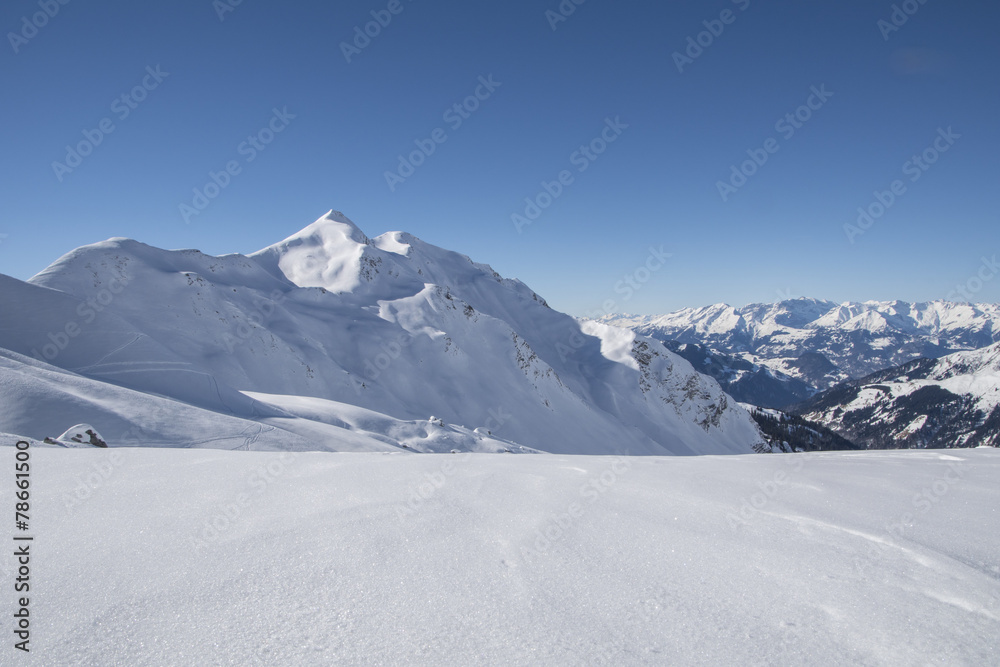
{"x": 391, "y": 325}
{"x": 150, "y": 557}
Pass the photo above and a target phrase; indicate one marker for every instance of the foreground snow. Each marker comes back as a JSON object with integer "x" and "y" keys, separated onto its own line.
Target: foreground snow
{"x": 203, "y": 557}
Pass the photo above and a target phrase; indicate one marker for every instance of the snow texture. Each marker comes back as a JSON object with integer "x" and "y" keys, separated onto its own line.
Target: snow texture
{"x": 148, "y": 556}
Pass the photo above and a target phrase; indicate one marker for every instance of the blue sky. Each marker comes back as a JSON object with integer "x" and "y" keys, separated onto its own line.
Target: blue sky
{"x": 781, "y": 233}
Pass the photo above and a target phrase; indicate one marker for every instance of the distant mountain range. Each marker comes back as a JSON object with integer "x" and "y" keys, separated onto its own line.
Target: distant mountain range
{"x": 878, "y": 374}
{"x": 774, "y": 355}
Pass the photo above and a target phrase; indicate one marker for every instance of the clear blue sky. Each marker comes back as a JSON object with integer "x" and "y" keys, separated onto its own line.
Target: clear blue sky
{"x": 782, "y": 232}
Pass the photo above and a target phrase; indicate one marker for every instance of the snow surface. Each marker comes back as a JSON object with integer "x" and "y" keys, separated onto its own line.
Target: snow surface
{"x": 874, "y": 558}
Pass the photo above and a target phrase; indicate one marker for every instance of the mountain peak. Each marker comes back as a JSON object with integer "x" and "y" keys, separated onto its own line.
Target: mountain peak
{"x": 334, "y": 225}
{"x": 334, "y": 228}
{"x": 326, "y": 254}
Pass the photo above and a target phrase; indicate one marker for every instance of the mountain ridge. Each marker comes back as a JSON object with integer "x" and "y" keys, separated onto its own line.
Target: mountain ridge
{"x": 388, "y": 324}
{"x": 953, "y": 401}
{"x": 822, "y": 342}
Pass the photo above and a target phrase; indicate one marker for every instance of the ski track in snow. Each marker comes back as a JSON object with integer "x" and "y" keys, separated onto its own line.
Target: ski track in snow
{"x": 113, "y": 352}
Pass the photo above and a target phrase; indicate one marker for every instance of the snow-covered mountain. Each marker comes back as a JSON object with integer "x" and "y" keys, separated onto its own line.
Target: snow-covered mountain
{"x": 334, "y": 340}
{"x": 822, "y": 342}
{"x": 949, "y": 402}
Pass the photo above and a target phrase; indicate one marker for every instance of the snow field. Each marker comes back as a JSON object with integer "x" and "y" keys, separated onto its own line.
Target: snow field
{"x": 205, "y": 557}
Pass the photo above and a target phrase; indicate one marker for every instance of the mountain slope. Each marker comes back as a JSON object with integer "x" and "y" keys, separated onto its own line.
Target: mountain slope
{"x": 391, "y": 325}
{"x": 743, "y": 380}
{"x": 37, "y": 399}
{"x": 949, "y": 402}
{"x": 786, "y": 432}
